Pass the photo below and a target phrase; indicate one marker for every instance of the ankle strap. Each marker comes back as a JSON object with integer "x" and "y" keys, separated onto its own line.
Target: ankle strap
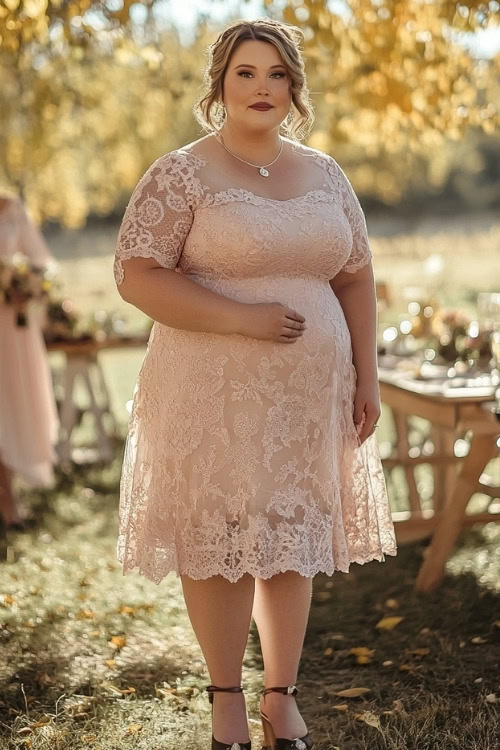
{"x": 211, "y": 689}
{"x": 287, "y": 690}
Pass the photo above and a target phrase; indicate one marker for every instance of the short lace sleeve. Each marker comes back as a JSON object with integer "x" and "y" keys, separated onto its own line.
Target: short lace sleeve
{"x": 158, "y": 216}
{"x": 360, "y": 253}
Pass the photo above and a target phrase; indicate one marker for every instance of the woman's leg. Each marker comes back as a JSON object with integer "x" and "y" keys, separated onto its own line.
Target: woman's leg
{"x": 281, "y": 610}
{"x": 220, "y": 613}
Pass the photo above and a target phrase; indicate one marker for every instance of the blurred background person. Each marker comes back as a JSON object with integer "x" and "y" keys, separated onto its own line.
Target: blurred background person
{"x": 28, "y": 412}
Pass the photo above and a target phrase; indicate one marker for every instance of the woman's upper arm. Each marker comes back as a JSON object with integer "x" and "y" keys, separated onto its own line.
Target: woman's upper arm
{"x": 156, "y": 222}
{"x": 360, "y": 254}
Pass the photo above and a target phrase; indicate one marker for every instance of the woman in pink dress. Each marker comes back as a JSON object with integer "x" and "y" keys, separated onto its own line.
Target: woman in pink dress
{"x": 28, "y": 413}
{"x": 251, "y": 461}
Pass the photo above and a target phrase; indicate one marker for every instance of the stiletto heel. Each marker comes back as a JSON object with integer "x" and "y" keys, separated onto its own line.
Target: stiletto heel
{"x": 282, "y": 743}
{"x": 216, "y": 745}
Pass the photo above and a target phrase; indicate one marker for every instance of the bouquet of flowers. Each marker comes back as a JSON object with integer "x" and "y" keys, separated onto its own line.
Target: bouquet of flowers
{"x": 21, "y": 282}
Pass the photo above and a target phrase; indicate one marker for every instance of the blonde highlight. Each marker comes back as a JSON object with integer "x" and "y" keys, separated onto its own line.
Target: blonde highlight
{"x": 208, "y": 110}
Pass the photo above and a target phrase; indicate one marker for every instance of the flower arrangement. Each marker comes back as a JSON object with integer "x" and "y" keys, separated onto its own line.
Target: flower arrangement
{"x": 21, "y": 282}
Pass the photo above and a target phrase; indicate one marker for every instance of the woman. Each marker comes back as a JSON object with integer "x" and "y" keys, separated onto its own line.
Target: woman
{"x": 28, "y": 414}
{"x": 251, "y": 462}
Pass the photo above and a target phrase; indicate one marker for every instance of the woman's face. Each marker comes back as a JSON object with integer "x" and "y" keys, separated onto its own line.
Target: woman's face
{"x": 256, "y": 73}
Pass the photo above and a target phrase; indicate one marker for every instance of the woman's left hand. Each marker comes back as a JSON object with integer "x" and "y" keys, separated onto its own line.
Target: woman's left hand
{"x": 366, "y": 408}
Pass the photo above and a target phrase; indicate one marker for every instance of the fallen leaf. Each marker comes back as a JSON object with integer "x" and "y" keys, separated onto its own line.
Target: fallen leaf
{"x": 352, "y": 692}
{"x": 391, "y": 603}
{"x": 341, "y": 706}
{"x": 7, "y": 599}
{"x": 117, "y": 641}
{"x": 328, "y": 651}
{"x": 110, "y": 663}
{"x": 363, "y": 654}
{"x": 369, "y": 718}
{"x": 323, "y": 596}
{"x": 419, "y": 651}
{"x": 85, "y": 614}
{"x": 362, "y": 651}
{"x": 134, "y": 728}
{"x": 478, "y": 639}
{"x": 42, "y": 722}
{"x": 124, "y": 610}
{"x": 491, "y": 698}
{"x": 388, "y": 623}
{"x": 387, "y": 663}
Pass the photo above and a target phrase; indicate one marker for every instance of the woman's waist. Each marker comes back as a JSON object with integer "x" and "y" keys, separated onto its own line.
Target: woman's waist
{"x": 312, "y": 292}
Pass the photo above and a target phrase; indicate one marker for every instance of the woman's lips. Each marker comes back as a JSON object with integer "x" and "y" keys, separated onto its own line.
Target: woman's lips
{"x": 263, "y": 107}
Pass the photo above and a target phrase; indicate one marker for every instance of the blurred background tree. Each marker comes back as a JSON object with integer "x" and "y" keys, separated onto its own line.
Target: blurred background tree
{"x": 93, "y": 92}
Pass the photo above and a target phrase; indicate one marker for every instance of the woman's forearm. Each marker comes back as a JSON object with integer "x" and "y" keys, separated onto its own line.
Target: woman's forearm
{"x": 177, "y": 301}
{"x": 359, "y": 303}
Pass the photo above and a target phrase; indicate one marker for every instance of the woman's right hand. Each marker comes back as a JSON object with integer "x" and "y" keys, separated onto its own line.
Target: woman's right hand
{"x": 271, "y": 321}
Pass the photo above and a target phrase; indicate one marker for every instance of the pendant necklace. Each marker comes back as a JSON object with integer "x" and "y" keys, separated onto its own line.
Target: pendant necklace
{"x": 262, "y": 170}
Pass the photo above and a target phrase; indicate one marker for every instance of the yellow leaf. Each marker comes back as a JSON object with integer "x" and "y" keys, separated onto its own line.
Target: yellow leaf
{"x": 391, "y": 603}
{"x": 362, "y": 651}
{"x": 478, "y": 639}
{"x": 363, "y": 659}
{"x": 369, "y": 718}
{"x": 110, "y": 663}
{"x": 352, "y": 692}
{"x": 134, "y": 728}
{"x": 388, "y": 623}
{"x": 127, "y": 610}
{"x": 85, "y": 614}
{"x": 341, "y": 706}
{"x": 363, "y": 654}
{"x": 419, "y": 651}
{"x": 117, "y": 641}
{"x": 328, "y": 651}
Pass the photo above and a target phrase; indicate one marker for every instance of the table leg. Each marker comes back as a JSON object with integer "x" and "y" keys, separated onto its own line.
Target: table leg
{"x": 451, "y": 519}
{"x": 403, "y": 447}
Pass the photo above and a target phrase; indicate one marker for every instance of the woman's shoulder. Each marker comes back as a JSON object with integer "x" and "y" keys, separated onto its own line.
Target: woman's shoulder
{"x": 305, "y": 150}
{"x": 179, "y": 159}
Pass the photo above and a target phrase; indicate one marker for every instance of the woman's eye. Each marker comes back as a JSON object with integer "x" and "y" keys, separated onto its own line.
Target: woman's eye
{"x": 247, "y": 72}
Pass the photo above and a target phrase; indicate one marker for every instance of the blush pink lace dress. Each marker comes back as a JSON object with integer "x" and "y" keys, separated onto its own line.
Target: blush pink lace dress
{"x": 242, "y": 455}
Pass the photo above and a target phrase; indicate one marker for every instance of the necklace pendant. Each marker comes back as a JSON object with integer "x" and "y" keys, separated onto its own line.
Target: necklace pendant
{"x": 263, "y": 171}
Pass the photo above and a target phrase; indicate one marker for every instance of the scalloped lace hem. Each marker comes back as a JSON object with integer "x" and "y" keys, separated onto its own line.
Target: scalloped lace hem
{"x": 233, "y": 576}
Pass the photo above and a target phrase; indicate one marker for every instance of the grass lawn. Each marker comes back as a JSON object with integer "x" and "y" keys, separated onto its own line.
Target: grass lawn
{"x": 92, "y": 658}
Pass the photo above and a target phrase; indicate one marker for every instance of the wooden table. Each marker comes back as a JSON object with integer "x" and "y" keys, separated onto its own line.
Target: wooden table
{"x": 83, "y": 367}
{"x": 453, "y": 413}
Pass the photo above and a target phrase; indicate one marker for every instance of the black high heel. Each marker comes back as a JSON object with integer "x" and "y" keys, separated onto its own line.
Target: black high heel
{"x": 282, "y": 743}
{"x": 216, "y": 745}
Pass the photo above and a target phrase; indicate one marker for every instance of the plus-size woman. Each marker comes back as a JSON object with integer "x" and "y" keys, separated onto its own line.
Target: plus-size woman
{"x": 251, "y": 462}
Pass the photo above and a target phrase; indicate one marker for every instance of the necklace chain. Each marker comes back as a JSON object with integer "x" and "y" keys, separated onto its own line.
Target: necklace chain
{"x": 262, "y": 169}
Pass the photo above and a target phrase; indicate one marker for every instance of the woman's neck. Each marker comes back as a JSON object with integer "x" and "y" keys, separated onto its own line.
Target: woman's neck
{"x": 257, "y": 147}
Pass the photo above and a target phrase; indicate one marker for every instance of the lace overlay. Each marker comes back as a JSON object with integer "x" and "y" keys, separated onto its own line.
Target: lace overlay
{"x": 242, "y": 455}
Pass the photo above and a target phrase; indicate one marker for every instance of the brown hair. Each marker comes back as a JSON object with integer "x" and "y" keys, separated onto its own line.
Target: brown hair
{"x": 286, "y": 38}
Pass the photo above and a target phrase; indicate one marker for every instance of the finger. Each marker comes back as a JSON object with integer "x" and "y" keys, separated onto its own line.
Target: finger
{"x": 359, "y": 415}
{"x": 293, "y": 315}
